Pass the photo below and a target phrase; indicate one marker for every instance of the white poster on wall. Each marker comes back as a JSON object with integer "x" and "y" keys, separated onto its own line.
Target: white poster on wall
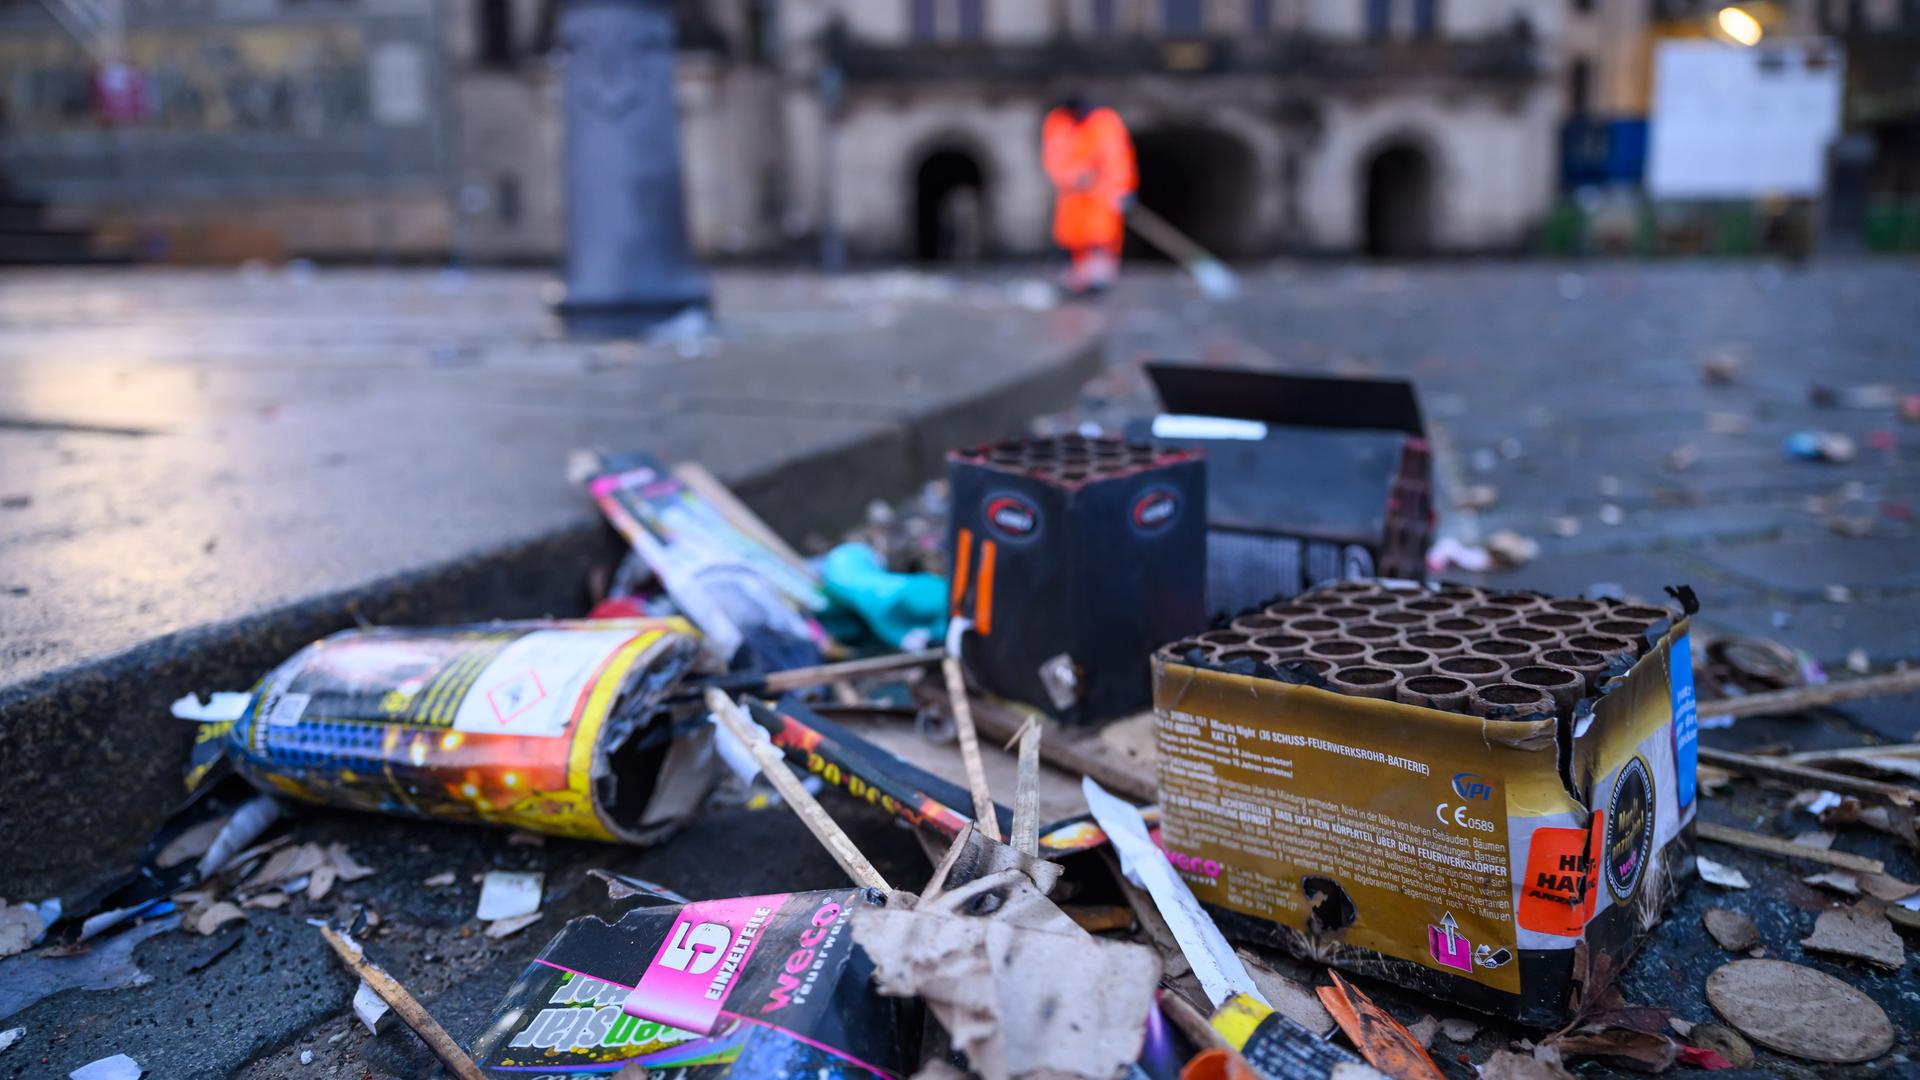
{"x": 397, "y": 83}
{"x": 1731, "y": 122}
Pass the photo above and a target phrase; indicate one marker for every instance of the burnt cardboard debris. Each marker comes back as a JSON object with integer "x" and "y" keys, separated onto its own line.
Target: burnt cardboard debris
{"x": 1329, "y": 478}
{"x": 757, "y": 986}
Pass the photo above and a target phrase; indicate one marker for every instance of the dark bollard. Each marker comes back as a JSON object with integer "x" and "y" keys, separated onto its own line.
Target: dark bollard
{"x": 629, "y": 265}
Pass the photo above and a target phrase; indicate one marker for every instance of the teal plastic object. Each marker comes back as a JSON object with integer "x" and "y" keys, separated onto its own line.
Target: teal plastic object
{"x": 907, "y": 611}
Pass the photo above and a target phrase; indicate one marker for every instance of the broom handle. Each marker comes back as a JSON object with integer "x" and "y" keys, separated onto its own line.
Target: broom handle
{"x": 1155, "y": 230}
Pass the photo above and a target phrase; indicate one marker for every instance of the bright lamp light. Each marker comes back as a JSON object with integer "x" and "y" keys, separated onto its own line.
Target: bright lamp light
{"x": 1742, "y": 27}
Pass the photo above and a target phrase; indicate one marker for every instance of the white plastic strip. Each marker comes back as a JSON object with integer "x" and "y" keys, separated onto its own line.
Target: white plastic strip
{"x": 219, "y": 707}
{"x": 1187, "y": 426}
{"x": 1220, "y": 972}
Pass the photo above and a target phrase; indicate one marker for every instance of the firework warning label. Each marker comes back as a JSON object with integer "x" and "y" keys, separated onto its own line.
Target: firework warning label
{"x": 533, "y": 685}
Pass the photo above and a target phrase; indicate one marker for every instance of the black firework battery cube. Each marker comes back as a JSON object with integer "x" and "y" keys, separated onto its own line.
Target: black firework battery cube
{"x": 1074, "y": 558}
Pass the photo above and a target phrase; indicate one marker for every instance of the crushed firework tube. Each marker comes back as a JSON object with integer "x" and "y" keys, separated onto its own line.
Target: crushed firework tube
{"x": 554, "y": 727}
{"x": 844, "y": 760}
{"x": 1274, "y": 1047}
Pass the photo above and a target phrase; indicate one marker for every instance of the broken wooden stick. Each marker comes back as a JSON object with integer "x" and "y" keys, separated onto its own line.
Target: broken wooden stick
{"x": 1773, "y": 845}
{"x": 1807, "y": 776}
{"x": 984, "y": 812}
{"x": 728, "y": 505}
{"x": 1782, "y": 702}
{"x": 1066, "y": 752}
{"x": 1192, "y": 1023}
{"x": 1026, "y": 791}
{"x": 1855, "y": 753}
{"x": 773, "y": 765}
{"x": 780, "y": 682}
{"x": 403, "y": 1003}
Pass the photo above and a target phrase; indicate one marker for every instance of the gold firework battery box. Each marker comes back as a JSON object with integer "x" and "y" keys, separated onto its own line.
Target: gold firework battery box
{"x": 1498, "y": 864}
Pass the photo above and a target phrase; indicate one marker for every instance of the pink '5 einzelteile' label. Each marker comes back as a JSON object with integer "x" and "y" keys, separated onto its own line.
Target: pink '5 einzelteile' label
{"x": 701, "y": 961}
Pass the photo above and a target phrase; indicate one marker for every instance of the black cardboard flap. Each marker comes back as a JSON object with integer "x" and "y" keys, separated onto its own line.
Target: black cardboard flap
{"x": 1288, "y": 400}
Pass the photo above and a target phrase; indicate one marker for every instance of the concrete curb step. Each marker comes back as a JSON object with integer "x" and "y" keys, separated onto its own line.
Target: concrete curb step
{"x": 94, "y": 758}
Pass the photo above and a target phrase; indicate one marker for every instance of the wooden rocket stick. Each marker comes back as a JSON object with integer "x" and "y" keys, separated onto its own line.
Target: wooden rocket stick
{"x": 985, "y": 816}
{"x": 814, "y": 816}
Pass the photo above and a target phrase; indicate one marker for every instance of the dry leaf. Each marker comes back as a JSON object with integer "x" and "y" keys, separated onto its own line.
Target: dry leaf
{"x": 1511, "y": 549}
{"x": 345, "y": 864}
{"x": 1799, "y": 1011}
{"x": 216, "y": 916}
{"x": 1816, "y": 838}
{"x": 1644, "y": 1051}
{"x": 320, "y": 882}
{"x": 500, "y": 928}
{"x": 1714, "y": 873}
{"x": 1724, "y": 1041}
{"x": 271, "y": 901}
{"x": 439, "y": 880}
{"x": 19, "y": 926}
{"x": 1887, "y": 887}
{"x": 190, "y": 844}
{"x": 1290, "y": 998}
{"x": 1507, "y": 1065}
{"x": 1838, "y": 880}
{"x": 288, "y": 864}
{"x": 1861, "y": 931}
{"x": 1711, "y": 779}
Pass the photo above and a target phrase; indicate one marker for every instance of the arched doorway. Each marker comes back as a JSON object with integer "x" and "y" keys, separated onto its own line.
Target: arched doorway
{"x": 1399, "y": 206}
{"x": 1202, "y": 181}
{"x": 949, "y": 207}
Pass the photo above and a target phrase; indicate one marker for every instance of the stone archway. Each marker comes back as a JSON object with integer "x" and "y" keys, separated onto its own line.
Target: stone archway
{"x": 1203, "y": 181}
{"x": 1398, "y": 184}
{"x": 949, "y": 207}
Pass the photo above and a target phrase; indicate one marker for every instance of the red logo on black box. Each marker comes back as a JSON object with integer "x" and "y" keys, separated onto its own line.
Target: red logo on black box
{"x": 1155, "y": 510}
{"x": 1012, "y": 517}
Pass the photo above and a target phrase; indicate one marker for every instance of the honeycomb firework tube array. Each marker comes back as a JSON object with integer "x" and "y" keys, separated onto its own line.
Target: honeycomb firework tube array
{"x": 1072, "y": 558}
{"x": 1371, "y": 639}
{"x": 1486, "y": 796}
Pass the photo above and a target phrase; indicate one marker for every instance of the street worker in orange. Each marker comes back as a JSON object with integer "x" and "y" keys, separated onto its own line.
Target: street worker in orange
{"x": 1089, "y": 157}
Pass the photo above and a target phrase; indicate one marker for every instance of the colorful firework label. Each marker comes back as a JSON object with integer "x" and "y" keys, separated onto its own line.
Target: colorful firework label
{"x": 510, "y": 724}
{"x": 750, "y": 987}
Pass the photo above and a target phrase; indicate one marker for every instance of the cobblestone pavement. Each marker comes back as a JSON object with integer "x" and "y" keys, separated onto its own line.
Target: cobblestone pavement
{"x": 1579, "y": 395}
{"x": 1567, "y": 392}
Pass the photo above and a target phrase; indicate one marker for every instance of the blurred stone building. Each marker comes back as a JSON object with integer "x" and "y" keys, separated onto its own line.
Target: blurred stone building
{"x": 900, "y": 128}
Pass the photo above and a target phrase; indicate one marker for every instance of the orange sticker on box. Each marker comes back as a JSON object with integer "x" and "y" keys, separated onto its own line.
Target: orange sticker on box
{"x": 1557, "y": 895}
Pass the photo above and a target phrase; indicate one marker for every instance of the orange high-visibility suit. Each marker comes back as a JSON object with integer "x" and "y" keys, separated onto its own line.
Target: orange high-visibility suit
{"x": 1089, "y": 158}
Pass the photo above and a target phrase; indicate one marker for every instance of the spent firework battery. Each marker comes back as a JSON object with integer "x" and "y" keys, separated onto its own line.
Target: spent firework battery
{"x": 1507, "y": 850}
{"x": 555, "y": 727}
{"x": 870, "y": 773}
{"x": 1310, "y": 478}
{"x": 749, "y": 988}
{"x": 1074, "y": 558}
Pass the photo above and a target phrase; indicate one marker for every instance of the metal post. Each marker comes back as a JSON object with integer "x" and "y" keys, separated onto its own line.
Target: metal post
{"x": 628, "y": 264}
{"x": 833, "y": 243}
